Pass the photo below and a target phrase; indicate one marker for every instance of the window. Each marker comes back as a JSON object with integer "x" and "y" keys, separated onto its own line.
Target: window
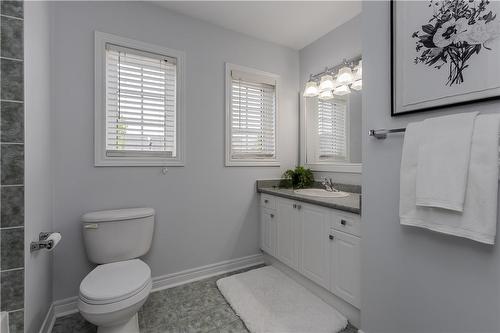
{"x": 138, "y": 103}
{"x": 251, "y": 109}
{"x": 332, "y": 129}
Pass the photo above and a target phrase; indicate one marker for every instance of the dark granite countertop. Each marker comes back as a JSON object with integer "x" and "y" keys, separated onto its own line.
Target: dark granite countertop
{"x": 351, "y": 204}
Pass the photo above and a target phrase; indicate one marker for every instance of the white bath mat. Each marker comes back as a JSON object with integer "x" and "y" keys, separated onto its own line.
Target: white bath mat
{"x": 268, "y": 301}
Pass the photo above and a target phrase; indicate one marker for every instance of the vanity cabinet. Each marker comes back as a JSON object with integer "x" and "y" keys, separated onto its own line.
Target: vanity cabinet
{"x": 345, "y": 266}
{"x": 268, "y": 231}
{"x": 313, "y": 243}
{"x": 286, "y": 232}
{"x": 322, "y": 244}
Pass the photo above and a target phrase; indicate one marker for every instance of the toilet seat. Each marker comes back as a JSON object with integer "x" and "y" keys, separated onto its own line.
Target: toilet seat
{"x": 115, "y": 282}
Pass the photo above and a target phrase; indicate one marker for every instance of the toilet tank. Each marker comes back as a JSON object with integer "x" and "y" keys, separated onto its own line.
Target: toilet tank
{"x": 117, "y": 235}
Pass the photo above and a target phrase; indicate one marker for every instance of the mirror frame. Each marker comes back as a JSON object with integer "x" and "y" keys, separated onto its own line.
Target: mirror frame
{"x": 344, "y": 167}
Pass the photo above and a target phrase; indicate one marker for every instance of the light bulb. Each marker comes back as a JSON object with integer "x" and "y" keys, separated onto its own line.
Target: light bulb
{"x": 311, "y": 89}
{"x": 326, "y": 83}
{"x": 345, "y": 76}
{"x": 326, "y": 95}
{"x": 357, "y": 85}
{"x": 342, "y": 90}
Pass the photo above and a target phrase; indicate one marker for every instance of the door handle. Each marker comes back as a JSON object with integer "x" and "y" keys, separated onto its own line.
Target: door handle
{"x": 294, "y": 206}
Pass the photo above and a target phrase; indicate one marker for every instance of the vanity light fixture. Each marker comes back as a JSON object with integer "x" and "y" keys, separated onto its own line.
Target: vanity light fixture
{"x": 311, "y": 89}
{"x": 357, "y": 85}
{"x": 358, "y": 75}
{"x": 325, "y": 95}
{"x": 345, "y": 76}
{"x": 342, "y": 90}
{"x": 337, "y": 80}
{"x": 326, "y": 83}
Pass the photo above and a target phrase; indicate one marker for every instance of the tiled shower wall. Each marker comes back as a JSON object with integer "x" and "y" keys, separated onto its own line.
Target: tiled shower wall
{"x": 12, "y": 163}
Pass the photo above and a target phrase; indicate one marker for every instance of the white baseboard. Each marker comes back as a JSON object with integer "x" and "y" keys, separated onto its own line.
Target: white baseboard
{"x": 67, "y": 306}
{"x": 190, "y": 275}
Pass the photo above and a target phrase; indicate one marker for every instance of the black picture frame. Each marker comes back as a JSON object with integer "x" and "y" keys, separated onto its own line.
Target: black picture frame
{"x": 393, "y": 71}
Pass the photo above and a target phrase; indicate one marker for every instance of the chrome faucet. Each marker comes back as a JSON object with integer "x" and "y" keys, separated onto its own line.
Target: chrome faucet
{"x": 328, "y": 184}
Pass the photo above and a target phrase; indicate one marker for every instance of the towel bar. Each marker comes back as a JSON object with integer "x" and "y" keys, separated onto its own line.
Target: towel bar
{"x": 382, "y": 133}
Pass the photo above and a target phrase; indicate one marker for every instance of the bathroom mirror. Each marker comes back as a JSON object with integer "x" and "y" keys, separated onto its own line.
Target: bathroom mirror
{"x": 331, "y": 133}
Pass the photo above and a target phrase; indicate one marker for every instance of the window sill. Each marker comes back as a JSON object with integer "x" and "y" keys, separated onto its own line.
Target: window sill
{"x": 336, "y": 167}
{"x": 252, "y": 163}
{"x": 137, "y": 162}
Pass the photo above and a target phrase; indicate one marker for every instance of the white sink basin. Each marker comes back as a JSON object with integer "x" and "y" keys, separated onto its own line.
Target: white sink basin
{"x": 319, "y": 192}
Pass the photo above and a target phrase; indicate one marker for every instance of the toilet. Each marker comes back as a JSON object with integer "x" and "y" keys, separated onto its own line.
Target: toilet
{"x": 111, "y": 295}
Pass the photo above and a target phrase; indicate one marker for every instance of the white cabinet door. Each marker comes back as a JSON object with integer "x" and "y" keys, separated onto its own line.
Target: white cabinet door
{"x": 345, "y": 265}
{"x": 313, "y": 235}
{"x": 286, "y": 247}
{"x": 268, "y": 231}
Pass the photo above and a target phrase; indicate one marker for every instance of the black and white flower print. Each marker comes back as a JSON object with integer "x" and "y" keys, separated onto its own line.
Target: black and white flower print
{"x": 457, "y": 31}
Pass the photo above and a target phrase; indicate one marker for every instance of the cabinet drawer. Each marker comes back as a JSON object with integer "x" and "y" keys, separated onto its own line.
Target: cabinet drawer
{"x": 268, "y": 201}
{"x": 350, "y": 224}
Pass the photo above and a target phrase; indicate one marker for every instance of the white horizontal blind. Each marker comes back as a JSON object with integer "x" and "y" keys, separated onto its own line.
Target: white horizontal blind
{"x": 332, "y": 129}
{"x": 140, "y": 103}
{"x": 253, "y": 119}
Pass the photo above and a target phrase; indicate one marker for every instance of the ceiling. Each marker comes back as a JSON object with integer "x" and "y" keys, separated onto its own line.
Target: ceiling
{"x": 294, "y": 24}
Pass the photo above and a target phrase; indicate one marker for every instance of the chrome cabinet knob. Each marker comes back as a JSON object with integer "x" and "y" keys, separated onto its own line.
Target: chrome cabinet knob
{"x": 294, "y": 205}
{"x": 343, "y": 222}
{"x": 299, "y": 206}
{"x": 330, "y": 237}
{"x": 266, "y": 201}
{"x": 272, "y": 216}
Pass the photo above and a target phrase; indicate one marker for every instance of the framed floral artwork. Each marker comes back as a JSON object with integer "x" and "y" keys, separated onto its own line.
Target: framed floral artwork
{"x": 444, "y": 52}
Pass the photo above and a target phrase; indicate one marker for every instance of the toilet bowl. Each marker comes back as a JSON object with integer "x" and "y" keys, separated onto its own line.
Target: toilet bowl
{"x": 111, "y": 295}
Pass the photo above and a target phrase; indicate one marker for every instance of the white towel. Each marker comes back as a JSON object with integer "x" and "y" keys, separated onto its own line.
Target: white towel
{"x": 443, "y": 160}
{"x": 479, "y": 217}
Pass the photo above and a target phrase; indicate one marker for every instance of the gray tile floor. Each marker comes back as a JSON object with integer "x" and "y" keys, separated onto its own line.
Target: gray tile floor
{"x": 193, "y": 307}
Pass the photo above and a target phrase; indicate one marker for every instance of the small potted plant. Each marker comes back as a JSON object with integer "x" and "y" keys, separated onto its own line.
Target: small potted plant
{"x": 299, "y": 177}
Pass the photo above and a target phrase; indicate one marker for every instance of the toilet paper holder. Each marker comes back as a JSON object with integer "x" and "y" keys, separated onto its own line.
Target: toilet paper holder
{"x": 43, "y": 242}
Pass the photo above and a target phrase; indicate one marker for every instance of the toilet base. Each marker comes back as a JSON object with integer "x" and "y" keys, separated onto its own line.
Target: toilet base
{"x": 131, "y": 326}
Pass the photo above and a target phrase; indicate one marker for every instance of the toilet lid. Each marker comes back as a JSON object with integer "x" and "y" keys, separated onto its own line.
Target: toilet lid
{"x": 114, "y": 282}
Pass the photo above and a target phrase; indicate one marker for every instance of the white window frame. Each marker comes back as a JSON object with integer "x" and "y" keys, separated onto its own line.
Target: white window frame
{"x": 229, "y": 161}
{"x": 100, "y": 157}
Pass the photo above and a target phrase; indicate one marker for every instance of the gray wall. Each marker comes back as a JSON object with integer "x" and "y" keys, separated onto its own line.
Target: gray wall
{"x": 38, "y": 171}
{"x": 206, "y": 213}
{"x": 12, "y": 163}
{"x": 413, "y": 280}
{"x": 329, "y": 50}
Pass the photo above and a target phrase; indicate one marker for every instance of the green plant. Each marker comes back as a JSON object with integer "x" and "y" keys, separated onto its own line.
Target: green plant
{"x": 300, "y": 177}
